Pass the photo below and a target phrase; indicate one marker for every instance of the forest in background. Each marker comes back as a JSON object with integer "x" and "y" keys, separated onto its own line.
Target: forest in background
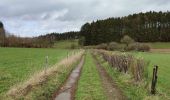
{"x": 142, "y": 27}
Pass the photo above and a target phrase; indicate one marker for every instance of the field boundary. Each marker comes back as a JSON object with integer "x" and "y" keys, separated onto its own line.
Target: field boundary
{"x": 23, "y": 89}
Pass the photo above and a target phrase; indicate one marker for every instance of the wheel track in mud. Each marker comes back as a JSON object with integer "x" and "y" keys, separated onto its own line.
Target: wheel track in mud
{"x": 110, "y": 87}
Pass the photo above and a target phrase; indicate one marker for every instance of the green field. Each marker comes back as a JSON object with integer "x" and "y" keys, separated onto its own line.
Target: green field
{"x": 89, "y": 85}
{"x": 160, "y": 45}
{"x": 163, "y": 61}
{"x": 17, "y": 64}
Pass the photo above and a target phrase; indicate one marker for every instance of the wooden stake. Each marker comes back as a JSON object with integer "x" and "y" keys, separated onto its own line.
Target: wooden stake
{"x": 46, "y": 63}
{"x": 154, "y": 79}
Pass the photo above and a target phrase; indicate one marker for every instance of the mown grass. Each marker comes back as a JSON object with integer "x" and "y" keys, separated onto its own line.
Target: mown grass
{"x": 123, "y": 81}
{"x": 66, "y": 44}
{"x": 89, "y": 85}
{"x": 163, "y": 61}
{"x": 17, "y": 64}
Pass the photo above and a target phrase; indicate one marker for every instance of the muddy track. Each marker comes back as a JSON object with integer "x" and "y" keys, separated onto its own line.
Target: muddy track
{"x": 111, "y": 90}
{"x": 67, "y": 91}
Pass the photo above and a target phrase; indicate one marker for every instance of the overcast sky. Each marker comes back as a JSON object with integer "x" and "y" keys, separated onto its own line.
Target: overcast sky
{"x": 36, "y": 17}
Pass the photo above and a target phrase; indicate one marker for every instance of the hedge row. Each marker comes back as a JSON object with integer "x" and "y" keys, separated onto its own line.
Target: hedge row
{"x": 127, "y": 63}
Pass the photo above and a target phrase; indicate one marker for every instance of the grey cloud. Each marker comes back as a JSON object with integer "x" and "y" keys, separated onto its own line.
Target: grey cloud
{"x": 35, "y": 17}
{"x": 21, "y": 7}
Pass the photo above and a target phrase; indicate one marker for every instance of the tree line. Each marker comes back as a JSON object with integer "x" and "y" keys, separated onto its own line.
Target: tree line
{"x": 142, "y": 27}
{"x": 43, "y": 41}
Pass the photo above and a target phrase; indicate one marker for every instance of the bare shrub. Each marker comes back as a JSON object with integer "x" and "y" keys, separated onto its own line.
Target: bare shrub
{"x": 138, "y": 47}
{"x": 126, "y": 40}
{"x": 113, "y": 46}
{"x": 101, "y": 46}
{"x": 139, "y": 69}
{"x": 144, "y": 47}
{"x": 126, "y": 63}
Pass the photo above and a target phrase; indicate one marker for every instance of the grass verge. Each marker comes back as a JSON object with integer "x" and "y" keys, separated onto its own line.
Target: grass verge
{"x": 90, "y": 85}
{"x": 48, "y": 89}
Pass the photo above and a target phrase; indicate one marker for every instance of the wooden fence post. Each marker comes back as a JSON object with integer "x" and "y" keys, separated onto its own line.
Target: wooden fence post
{"x": 154, "y": 79}
{"x": 46, "y": 64}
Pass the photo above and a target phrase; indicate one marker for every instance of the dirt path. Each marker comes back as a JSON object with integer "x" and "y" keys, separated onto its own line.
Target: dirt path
{"x": 111, "y": 90}
{"x": 67, "y": 91}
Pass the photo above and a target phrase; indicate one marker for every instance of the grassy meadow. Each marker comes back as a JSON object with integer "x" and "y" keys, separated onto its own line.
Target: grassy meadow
{"x": 163, "y": 62}
{"x": 17, "y": 64}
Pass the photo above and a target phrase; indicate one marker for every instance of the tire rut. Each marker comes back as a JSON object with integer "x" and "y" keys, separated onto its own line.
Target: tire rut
{"x": 111, "y": 90}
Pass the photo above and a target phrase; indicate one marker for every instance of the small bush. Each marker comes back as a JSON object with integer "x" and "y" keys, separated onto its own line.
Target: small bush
{"x": 73, "y": 46}
{"x": 138, "y": 47}
{"x": 132, "y": 47}
{"x": 102, "y": 46}
{"x": 126, "y": 40}
{"x": 144, "y": 47}
{"x": 113, "y": 46}
{"x": 81, "y": 41}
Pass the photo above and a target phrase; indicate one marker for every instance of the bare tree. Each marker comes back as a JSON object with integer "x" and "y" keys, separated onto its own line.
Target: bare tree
{"x": 2, "y": 35}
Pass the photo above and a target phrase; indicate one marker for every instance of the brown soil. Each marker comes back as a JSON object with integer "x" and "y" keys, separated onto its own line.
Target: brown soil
{"x": 67, "y": 91}
{"x": 111, "y": 90}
